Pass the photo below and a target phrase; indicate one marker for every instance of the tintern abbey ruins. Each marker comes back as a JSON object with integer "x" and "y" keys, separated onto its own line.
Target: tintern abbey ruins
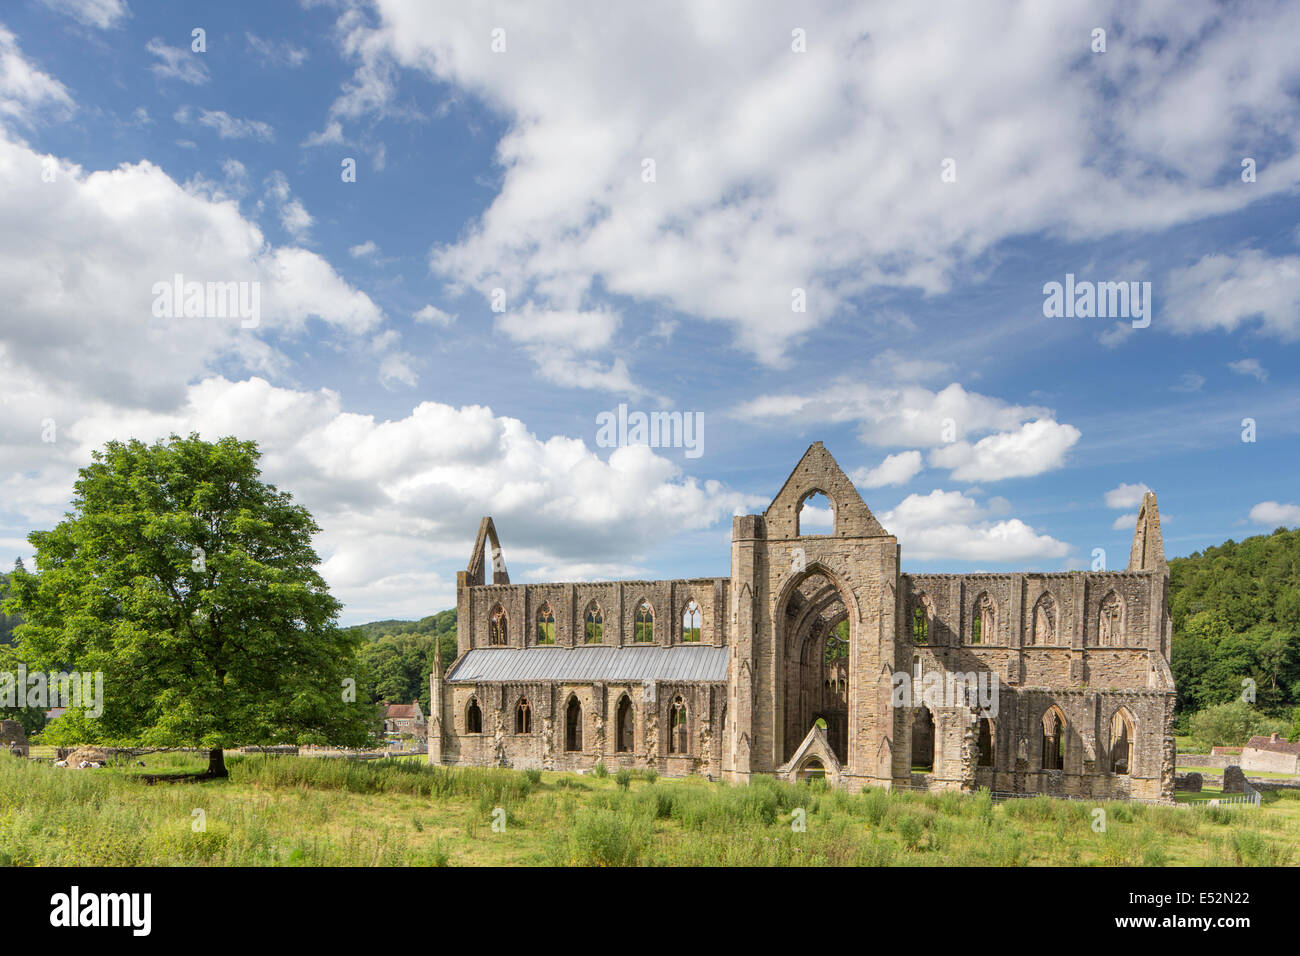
{"x": 820, "y": 657}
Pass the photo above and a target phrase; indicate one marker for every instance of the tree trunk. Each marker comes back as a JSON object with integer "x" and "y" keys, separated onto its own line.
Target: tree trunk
{"x": 217, "y": 763}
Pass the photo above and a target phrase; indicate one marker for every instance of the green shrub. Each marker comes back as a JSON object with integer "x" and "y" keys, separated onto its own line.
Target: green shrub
{"x": 1155, "y": 855}
{"x": 875, "y": 853}
{"x": 910, "y": 831}
{"x": 602, "y": 837}
{"x": 600, "y": 771}
{"x": 1251, "y": 849}
{"x": 657, "y": 802}
{"x": 1217, "y": 814}
{"x": 623, "y": 778}
{"x": 1231, "y": 725}
{"x": 1036, "y": 809}
{"x": 875, "y": 805}
{"x": 436, "y": 855}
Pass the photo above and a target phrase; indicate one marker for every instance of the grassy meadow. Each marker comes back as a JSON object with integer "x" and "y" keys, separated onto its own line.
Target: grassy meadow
{"x": 295, "y": 811}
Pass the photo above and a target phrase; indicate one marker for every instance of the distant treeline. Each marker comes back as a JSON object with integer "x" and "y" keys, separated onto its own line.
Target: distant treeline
{"x": 1236, "y": 610}
{"x": 397, "y": 656}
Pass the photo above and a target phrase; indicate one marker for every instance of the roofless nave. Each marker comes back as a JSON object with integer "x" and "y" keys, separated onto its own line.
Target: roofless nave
{"x": 791, "y": 666}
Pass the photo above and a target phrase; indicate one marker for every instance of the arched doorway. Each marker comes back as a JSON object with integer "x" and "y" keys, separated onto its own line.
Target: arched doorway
{"x": 1121, "y": 741}
{"x": 922, "y": 740}
{"x": 811, "y": 770}
{"x": 814, "y": 624}
{"x": 626, "y": 726}
{"x": 985, "y": 742}
{"x": 573, "y": 725}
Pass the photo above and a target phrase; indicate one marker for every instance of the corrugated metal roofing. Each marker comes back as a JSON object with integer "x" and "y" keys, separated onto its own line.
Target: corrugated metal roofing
{"x": 683, "y": 662}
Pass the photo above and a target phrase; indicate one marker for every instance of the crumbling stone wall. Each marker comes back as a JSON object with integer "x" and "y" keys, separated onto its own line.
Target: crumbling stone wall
{"x": 13, "y": 738}
{"x": 1234, "y": 779}
{"x": 1084, "y": 645}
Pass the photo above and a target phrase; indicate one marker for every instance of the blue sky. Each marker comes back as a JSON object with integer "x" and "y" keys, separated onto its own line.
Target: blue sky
{"x": 505, "y": 147}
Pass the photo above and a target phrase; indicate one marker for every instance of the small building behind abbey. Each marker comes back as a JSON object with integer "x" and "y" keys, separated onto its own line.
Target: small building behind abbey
{"x": 818, "y": 656}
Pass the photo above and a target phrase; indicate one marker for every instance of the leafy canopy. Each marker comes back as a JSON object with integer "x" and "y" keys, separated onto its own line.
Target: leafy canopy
{"x": 192, "y": 586}
{"x": 1236, "y": 611}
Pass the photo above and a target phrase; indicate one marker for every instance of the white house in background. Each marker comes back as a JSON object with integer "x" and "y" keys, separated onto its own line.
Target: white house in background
{"x": 1271, "y": 754}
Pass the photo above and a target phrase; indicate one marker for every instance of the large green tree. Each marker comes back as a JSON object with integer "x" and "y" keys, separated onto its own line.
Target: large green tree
{"x": 192, "y": 586}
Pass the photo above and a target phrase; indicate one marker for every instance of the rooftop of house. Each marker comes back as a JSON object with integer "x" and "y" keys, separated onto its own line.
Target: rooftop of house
{"x": 1275, "y": 744}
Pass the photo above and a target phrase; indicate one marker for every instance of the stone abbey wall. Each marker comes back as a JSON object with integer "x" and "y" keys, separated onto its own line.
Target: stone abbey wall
{"x": 500, "y": 742}
{"x": 817, "y": 633}
{"x": 617, "y": 601}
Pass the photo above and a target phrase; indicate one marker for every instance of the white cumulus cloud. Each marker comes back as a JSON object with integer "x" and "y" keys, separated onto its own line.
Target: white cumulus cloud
{"x": 398, "y": 497}
{"x": 1032, "y": 449}
{"x": 759, "y": 186}
{"x": 950, "y": 526}
{"x": 1126, "y": 496}
{"x": 894, "y": 470}
{"x": 1275, "y": 514}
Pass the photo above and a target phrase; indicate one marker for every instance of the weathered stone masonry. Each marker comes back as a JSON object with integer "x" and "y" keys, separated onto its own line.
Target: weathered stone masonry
{"x": 793, "y": 665}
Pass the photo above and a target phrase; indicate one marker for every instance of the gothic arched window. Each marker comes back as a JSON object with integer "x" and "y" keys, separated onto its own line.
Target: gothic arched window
{"x": 498, "y": 630}
{"x": 691, "y": 622}
{"x": 644, "y": 628}
{"x": 545, "y": 625}
{"x": 593, "y": 624}
{"x": 678, "y": 739}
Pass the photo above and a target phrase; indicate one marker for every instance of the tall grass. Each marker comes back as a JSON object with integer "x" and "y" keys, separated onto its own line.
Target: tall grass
{"x": 55, "y": 817}
{"x": 492, "y": 784}
{"x": 325, "y": 811}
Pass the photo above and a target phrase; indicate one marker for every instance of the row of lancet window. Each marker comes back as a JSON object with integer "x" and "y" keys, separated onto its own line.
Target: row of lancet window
{"x": 593, "y": 624}
{"x": 625, "y": 725}
{"x": 1052, "y": 750}
{"x": 1045, "y": 621}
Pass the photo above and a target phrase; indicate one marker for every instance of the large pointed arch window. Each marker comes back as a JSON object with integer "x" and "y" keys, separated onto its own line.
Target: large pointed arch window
{"x": 593, "y": 625}
{"x": 498, "y": 629}
{"x": 545, "y": 625}
{"x": 1110, "y": 625}
{"x": 1044, "y": 632}
{"x": 678, "y": 739}
{"x": 523, "y": 717}
{"x": 1054, "y": 728}
{"x": 984, "y": 621}
{"x": 1121, "y": 742}
{"x": 921, "y": 621}
{"x": 815, "y": 515}
{"x": 691, "y": 622}
{"x": 644, "y": 624}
